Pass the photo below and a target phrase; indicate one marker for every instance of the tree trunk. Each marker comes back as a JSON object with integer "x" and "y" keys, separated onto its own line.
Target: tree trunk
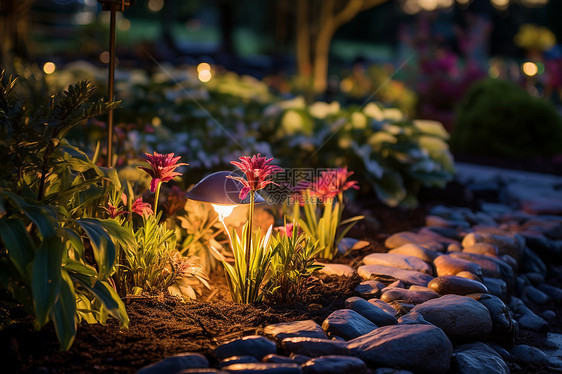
{"x": 303, "y": 36}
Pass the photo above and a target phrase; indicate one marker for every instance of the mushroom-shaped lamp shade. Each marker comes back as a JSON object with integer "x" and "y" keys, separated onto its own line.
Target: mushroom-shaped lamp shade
{"x": 217, "y": 189}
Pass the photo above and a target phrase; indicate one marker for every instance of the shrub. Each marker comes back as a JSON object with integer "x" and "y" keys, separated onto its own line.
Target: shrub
{"x": 498, "y": 118}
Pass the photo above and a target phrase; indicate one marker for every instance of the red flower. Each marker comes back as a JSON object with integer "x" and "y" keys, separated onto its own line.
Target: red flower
{"x": 332, "y": 182}
{"x": 257, "y": 171}
{"x": 113, "y": 211}
{"x": 141, "y": 208}
{"x": 161, "y": 168}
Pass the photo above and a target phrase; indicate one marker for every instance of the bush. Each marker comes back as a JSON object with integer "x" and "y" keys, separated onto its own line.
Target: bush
{"x": 498, "y": 118}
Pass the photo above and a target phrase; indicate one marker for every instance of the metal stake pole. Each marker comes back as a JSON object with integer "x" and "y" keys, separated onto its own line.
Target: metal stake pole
{"x": 111, "y": 84}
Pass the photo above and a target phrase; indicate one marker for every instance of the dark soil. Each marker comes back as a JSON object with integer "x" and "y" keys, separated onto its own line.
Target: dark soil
{"x": 161, "y": 325}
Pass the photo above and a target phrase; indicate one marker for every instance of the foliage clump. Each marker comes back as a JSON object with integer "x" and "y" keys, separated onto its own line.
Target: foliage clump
{"x": 498, "y": 118}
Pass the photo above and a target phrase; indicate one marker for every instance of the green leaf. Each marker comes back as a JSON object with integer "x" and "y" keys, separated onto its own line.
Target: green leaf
{"x": 19, "y": 245}
{"x": 73, "y": 240}
{"x": 63, "y": 313}
{"x": 102, "y": 245}
{"x": 46, "y": 277}
{"x": 111, "y": 301}
{"x": 80, "y": 269}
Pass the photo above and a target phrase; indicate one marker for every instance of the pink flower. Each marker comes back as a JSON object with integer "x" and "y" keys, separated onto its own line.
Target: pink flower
{"x": 257, "y": 171}
{"x": 113, "y": 211}
{"x": 287, "y": 230}
{"x": 332, "y": 183}
{"x": 141, "y": 208}
{"x": 161, "y": 168}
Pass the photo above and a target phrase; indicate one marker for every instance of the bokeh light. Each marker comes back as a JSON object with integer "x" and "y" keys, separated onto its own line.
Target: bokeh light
{"x": 49, "y": 67}
{"x": 203, "y": 66}
{"x": 530, "y": 68}
{"x": 204, "y": 75}
{"x": 155, "y": 5}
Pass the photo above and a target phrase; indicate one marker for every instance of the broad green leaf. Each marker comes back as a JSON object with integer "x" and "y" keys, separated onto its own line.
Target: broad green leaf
{"x": 46, "y": 277}
{"x": 80, "y": 268}
{"x": 73, "y": 240}
{"x": 431, "y": 128}
{"x": 19, "y": 245}
{"x": 102, "y": 245}
{"x": 63, "y": 313}
{"x": 111, "y": 301}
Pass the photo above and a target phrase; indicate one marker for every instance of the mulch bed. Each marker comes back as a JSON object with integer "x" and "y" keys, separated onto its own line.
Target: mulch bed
{"x": 161, "y": 325}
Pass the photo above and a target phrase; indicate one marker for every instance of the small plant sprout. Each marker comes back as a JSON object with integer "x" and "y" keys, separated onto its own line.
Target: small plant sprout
{"x": 327, "y": 192}
{"x": 258, "y": 172}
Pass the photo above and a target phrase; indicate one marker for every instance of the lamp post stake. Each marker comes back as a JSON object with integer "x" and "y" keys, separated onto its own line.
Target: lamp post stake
{"x": 113, "y": 6}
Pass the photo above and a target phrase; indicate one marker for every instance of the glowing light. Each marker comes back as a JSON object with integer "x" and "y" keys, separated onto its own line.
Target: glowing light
{"x": 346, "y": 85}
{"x": 203, "y": 66}
{"x": 124, "y": 24}
{"x": 223, "y": 210}
{"x": 494, "y": 72}
{"x": 205, "y": 75}
{"x": 500, "y": 4}
{"x": 530, "y": 68}
{"x": 49, "y": 67}
{"x": 156, "y": 121}
{"x": 155, "y": 5}
{"x": 104, "y": 57}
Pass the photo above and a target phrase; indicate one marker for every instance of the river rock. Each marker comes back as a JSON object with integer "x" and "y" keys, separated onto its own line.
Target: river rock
{"x": 415, "y": 250}
{"x": 442, "y": 222}
{"x": 201, "y": 371}
{"x": 398, "y": 261}
{"x": 487, "y": 249}
{"x": 387, "y": 273}
{"x": 237, "y": 360}
{"x": 347, "y": 324}
{"x": 351, "y": 244}
{"x": 504, "y": 328}
{"x": 412, "y": 318}
{"x": 334, "y": 365}
{"x": 369, "y": 288}
{"x": 512, "y": 245}
{"x": 408, "y": 237}
{"x": 307, "y": 328}
{"x": 278, "y": 359}
{"x": 496, "y": 287}
{"x": 408, "y": 296}
{"x": 490, "y": 266}
{"x": 263, "y": 367}
{"x": 526, "y": 318}
{"x": 535, "y": 295}
{"x": 460, "y": 317}
{"x": 469, "y": 275}
{"x": 452, "y": 284}
{"x": 448, "y": 265}
{"x": 478, "y": 358}
{"x": 420, "y": 348}
{"x": 531, "y": 262}
{"x": 336, "y": 269}
{"x": 176, "y": 363}
{"x": 253, "y": 345}
{"x": 391, "y": 371}
{"x": 314, "y": 347}
{"x": 525, "y": 354}
{"x": 373, "y": 313}
{"x": 383, "y": 305}
{"x": 554, "y": 293}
